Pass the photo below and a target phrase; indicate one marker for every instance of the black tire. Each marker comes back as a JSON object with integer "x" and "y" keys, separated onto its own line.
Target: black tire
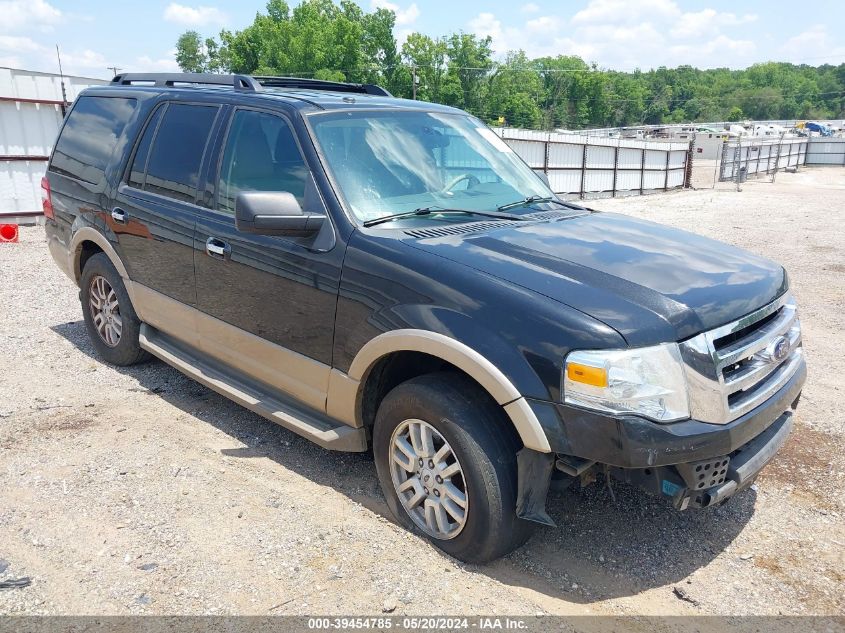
{"x": 126, "y": 351}
{"x": 484, "y": 443}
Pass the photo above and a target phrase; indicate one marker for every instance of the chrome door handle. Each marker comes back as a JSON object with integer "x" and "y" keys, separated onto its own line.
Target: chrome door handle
{"x": 118, "y": 215}
{"x": 217, "y": 248}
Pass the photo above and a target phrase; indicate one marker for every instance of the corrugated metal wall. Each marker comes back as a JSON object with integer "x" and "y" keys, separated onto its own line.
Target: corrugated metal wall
{"x": 826, "y": 151}
{"x": 30, "y": 116}
{"x": 590, "y": 166}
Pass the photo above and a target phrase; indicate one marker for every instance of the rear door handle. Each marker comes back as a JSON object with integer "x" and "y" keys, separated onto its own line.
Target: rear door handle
{"x": 118, "y": 215}
{"x": 217, "y": 248}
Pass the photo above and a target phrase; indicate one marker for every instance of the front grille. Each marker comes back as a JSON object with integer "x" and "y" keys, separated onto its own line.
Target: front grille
{"x": 735, "y": 368}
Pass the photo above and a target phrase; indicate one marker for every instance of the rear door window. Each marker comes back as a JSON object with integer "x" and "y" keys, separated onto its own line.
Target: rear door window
{"x": 142, "y": 153}
{"x": 90, "y": 134}
{"x": 174, "y": 161}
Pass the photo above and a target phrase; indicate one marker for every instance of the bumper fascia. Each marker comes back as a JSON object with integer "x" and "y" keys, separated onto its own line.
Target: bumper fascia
{"x": 634, "y": 442}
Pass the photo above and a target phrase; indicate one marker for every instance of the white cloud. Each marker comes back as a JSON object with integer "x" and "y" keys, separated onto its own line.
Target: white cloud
{"x": 194, "y": 16}
{"x": 529, "y": 8}
{"x": 707, "y": 21}
{"x": 625, "y": 11}
{"x": 145, "y": 63}
{"x": 814, "y": 46}
{"x": 28, "y": 14}
{"x": 738, "y": 52}
{"x": 85, "y": 59}
{"x": 628, "y": 34}
{"x": 12, "y": 44}
{"x": 404, "y": 17}
{"x": 485, "y": 24}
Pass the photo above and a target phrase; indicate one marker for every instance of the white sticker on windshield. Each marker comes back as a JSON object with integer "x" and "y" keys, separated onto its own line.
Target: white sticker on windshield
{"x": 494, "y": 140}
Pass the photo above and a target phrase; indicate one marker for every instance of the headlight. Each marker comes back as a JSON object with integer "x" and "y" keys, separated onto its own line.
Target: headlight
{"x": 646, "y": 381}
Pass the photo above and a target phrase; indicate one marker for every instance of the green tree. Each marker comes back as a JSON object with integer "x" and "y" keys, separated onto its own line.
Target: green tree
{"x": 470, "y": 60}
{"x": 342, "y": 41}
{"x": 190, "y": 54}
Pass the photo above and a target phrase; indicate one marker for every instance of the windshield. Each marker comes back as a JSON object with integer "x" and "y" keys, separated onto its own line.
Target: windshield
{"x": 392, "y": 162}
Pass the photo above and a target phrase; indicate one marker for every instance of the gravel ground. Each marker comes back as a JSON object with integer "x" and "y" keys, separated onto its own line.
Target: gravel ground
{"x": 138, "y": 491}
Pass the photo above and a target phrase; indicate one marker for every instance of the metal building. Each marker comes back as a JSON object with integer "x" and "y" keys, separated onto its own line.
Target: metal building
{"x": 31, "y": 111}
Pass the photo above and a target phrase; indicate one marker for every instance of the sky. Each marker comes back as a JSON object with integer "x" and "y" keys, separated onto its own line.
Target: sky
{"x": 617, "y": 34}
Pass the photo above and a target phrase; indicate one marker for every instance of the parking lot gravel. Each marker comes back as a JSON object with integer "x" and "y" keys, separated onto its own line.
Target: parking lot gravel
{"x": 138, "y": 491}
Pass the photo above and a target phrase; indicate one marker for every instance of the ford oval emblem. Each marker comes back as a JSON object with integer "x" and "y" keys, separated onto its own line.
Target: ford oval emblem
{"x": 778, "y": 349}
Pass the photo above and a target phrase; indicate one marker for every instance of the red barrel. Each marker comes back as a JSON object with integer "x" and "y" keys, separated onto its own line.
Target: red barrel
{"x": 8, "y": 232}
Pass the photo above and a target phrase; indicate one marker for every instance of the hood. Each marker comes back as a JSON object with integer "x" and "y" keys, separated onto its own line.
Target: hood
{"x": 650, "y": 282}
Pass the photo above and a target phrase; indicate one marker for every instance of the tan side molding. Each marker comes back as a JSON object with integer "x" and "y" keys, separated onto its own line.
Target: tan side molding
{"x": 458, "y": 354}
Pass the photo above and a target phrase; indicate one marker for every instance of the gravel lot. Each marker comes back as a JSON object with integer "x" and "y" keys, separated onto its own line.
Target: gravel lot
{"x": 137, "y": 490}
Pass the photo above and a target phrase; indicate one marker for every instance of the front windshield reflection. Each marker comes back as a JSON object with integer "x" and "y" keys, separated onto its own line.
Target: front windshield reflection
{"x": 391, "y": 162}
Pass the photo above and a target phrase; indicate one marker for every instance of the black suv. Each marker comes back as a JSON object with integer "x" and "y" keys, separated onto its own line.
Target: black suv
{"x": 371, "y": 272}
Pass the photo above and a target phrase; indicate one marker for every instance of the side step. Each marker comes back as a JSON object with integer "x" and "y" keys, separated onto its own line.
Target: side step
{"x": 255, "y": 396}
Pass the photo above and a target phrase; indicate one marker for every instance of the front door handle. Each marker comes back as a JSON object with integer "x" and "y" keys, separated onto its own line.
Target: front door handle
{"x": 217, "y": 248}
{"x": 118, "y": 215}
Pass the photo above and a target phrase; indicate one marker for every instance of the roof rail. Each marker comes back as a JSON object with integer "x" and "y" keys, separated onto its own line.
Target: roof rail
{"x": 245, "y": 83}
{"x": 320, "y": 84}
{"x": 163, "y": 80}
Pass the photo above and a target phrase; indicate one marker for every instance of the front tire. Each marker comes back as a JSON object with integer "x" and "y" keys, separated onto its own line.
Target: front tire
{"x": 446, "y": 461}
{"x": 110, "y": 319}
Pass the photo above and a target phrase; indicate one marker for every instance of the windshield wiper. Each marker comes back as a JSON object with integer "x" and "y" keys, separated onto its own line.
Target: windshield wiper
{"x": 534, "y": 200}
{"x": 436, "y": 209}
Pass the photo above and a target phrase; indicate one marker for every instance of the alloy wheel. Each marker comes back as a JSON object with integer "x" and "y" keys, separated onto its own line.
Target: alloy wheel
{"x": 105, "y": 311}
{"x": 428, "y": 479}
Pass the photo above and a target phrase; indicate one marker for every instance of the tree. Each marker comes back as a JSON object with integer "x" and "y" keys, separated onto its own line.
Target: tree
{"x": 470, "y": 60}
{"x": 514, "y": 92}
{"x": 341, "y": 41}
{"x": 427, "y": 59}
{"x": 190, "y": 54}
{"x": 735, "y": 114}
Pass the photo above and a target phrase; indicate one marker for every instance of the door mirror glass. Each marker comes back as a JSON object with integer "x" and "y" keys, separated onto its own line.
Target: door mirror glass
{"x": 274, "y": 213}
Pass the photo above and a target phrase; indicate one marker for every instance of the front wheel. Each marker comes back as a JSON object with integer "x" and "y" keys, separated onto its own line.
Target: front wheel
{"x": 446, "y": 461}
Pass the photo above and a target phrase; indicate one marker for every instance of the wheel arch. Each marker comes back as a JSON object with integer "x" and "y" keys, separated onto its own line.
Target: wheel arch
{"x": 347, "y": 391}
{"x": 78, "y": 245}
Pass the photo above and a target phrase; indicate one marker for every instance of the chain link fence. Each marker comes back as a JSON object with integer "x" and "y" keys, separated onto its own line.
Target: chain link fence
{"x": 743, "y": 157}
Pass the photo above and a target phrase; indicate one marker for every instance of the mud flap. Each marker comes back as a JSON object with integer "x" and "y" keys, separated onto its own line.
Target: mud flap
{"x": 534, "y": 474}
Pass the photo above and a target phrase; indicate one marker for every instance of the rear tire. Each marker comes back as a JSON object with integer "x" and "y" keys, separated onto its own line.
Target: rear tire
{"x": 452, "y": 417}
{"x": 109, "y": 316}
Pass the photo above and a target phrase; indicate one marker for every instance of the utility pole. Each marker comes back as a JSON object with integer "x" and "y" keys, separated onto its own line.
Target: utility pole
{"x": 114, "y": 70}
{"x": 414, "y": 81}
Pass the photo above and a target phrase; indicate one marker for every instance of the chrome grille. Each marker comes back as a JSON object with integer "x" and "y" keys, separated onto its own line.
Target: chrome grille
{"x": 736, "y": 367}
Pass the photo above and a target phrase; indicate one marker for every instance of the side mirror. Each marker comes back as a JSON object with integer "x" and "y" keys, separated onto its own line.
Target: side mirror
{"x": 274, "y": 213}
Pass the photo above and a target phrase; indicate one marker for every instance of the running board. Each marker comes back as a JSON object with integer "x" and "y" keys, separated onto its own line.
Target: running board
{"x": 274, "y": 406}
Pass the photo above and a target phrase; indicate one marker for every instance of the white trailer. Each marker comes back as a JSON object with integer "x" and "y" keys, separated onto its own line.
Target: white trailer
{"x": 32, "y": 107}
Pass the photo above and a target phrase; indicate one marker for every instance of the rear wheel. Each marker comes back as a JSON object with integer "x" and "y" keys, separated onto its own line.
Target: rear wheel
{"x": 446, "y": 462}
{"x": 109, "y": 316}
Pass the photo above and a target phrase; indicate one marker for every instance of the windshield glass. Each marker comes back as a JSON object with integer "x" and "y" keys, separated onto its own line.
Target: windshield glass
{"x": 391, "y": 162}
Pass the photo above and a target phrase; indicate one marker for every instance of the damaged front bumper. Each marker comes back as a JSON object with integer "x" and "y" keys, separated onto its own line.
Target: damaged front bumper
{"x": 696, "y": 464}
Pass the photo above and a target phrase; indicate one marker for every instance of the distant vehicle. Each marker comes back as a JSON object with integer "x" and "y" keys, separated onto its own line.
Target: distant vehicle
{"x": 737, "y": 130}
{"x": 376, "y": 273}
{"x": 769, "y": 130}
{"x": 820, "y": 128}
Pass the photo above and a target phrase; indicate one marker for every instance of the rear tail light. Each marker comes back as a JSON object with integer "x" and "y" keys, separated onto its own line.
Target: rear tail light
{"x": 46, "y": 198}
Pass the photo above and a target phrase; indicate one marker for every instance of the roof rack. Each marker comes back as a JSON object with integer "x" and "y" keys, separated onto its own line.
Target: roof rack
{"x": 245, "y": 83}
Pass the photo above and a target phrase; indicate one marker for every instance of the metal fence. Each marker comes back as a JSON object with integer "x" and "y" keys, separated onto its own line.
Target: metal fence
{"x": 589, "y": 166}
{"x": 758, "y": 156}
{"x": 826, "y": 151}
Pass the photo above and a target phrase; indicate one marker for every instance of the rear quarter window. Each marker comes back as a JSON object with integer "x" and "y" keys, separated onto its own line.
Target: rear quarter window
{"x": 90, "y": 135}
